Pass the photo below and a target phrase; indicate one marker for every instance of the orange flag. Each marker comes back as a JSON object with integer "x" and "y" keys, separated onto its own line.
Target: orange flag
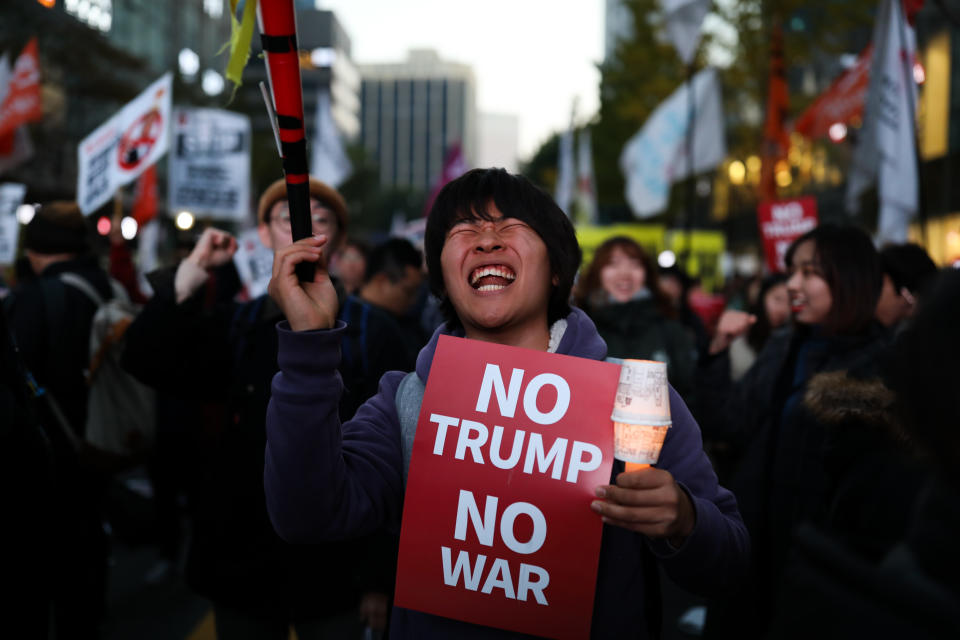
{"x": 145, "y": 202}
{"x": 23, "y": 103}
{"x": 776, "y": 140}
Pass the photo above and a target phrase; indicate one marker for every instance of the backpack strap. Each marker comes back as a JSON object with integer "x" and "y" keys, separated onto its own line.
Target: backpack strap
{"x": 408, "y": 400}
{"x": 78, "y": 282}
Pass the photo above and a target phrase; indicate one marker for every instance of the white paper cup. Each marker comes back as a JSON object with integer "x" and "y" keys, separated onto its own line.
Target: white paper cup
{"x": 638, "y": 443}
{"x": 643, "y": 396}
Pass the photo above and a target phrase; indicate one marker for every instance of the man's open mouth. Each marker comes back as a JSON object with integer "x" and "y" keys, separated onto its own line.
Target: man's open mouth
{"x": 492, "y": 277}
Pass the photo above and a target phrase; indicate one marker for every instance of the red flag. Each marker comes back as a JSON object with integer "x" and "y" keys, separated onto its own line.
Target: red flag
{"x": 910, "y": 9}
{"x": 776, "y": 140}
{"x": 23, "y": 103}
{"x": 453, "y": 167}
{"x": 145, "y": 201}
{"x": 841, "y": 102}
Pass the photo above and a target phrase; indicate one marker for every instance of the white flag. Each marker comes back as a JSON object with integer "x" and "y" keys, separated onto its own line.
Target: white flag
{"x": 684, "y": 20}
{"x": 329, "y": 162}
{"x": 563, "y": 193}
{"x": 886, "y": 151}
{"x": 586, "y": 185}
{"x": 656, "y": 156}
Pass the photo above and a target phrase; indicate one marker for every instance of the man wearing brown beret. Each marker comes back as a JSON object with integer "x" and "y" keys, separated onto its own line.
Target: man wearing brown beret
{"x": 226, "y": 353}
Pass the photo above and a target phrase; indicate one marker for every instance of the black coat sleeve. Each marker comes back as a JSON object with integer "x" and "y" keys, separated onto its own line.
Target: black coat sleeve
{"x": 180, "y": 348}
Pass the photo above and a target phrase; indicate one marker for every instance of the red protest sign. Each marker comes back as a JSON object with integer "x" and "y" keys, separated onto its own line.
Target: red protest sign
{"x": 783, "y": 222}
{"x": 497, "y": 527}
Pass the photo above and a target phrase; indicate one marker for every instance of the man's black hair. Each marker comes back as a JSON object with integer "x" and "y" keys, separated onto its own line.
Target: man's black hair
{"x": 908, "y": 265}
{"x": 477, "y": 195}
{"x": 392, "y": 258}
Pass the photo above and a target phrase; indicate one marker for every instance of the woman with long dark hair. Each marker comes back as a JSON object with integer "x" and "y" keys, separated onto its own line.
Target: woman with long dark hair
{"x": 621, "y": 294}
{"x": 780, "y": 482}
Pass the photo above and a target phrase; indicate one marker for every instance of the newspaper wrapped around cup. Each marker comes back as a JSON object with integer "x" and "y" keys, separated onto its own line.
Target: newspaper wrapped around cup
{"x": 641, "y": 411}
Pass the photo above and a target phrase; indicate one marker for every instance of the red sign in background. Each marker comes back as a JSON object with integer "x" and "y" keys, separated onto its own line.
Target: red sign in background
{"x": 492, "y": 534}
{"x": 783, "y": 222}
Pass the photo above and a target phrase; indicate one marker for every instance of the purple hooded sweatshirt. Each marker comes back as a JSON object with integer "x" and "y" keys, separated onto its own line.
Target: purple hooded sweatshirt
{"x": 329, "y": 481}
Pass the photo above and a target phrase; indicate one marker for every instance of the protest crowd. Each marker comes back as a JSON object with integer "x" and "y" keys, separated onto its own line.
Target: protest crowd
{"x": 819, "y": 476}
{"x": 479, "y": 425}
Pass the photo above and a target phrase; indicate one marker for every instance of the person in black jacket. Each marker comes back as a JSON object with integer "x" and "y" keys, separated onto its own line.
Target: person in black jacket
{"x": 26, "y": 498}
{"x": 780, "y": 481}
{"x": 50, "y": 321}
{"x": 227, "y": 354}
{"x": 909, "y": 585}
{"x": 621, "y": 294}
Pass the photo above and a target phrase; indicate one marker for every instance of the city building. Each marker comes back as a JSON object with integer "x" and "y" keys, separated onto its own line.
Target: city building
{"x": 617, "y": 25}
{"x": 498, "y": 141}
{"x": 413, "y": 112}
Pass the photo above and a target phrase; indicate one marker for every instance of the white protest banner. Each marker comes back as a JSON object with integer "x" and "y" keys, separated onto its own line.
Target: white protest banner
{"x": 254, "y": 263}
{"x": 656, "y": 156}
{"x": 11, "y": 196}
{"x": 122, "y": 148}
{"x": 210, "y": 163}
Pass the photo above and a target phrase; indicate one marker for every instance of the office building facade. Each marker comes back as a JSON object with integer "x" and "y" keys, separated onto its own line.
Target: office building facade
{"x": 413, "y": 113}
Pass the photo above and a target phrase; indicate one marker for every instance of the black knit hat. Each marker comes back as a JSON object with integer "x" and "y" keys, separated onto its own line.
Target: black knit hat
{"x": 57, "y": 227}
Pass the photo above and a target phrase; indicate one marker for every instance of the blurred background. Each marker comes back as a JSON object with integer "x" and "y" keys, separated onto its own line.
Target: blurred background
{"x": 590, "y": 99}
{"x": 551, "y": 89}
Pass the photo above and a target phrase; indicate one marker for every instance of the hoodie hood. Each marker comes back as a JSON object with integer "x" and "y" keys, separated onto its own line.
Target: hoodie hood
{"x": 580, "y": 339}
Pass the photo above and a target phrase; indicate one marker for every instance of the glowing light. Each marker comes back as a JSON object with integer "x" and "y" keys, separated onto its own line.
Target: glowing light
{"x": 737, "y": 172}
{"x": 323, "y": 57}
{"x": 784, "y": 178}
{"x": 189, "y": 62}
{"x": 25, "y": 213}
{"x": 185, "y": 220}
{"x": 837, "y": 132}
{"x": 103, "y": 225}
{"x": 667, "y": 259}
{"x": 919, "y": 73}
{"x": 753, "y": 164}
{"x": 128, "y": 228}
{"x": 212, "y": 82}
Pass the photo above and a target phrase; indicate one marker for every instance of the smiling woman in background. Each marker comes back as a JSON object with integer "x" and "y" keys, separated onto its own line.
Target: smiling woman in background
{"x": 780, "y": 482}
{"x": 621, "y": 294}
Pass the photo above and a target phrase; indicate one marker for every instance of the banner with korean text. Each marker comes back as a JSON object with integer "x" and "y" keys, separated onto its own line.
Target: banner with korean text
{"x": 783, "y": 222}
{"x": 210, "y": 163}
{"x": 497, "y": 526}
{"x": 122, "y": 148}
